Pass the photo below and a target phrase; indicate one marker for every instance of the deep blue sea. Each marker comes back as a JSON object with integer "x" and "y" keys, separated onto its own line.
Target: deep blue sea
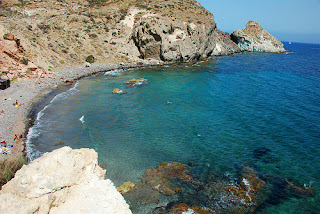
{"x": 214, "y": 113}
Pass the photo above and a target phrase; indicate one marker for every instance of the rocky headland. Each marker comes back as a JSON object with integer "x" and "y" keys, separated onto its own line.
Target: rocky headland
{"x": 254, "y": 38}
{"x": 45, "y": 44}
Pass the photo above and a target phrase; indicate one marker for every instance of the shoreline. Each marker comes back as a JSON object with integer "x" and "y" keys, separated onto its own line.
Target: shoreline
{"x": 30, "y": 92}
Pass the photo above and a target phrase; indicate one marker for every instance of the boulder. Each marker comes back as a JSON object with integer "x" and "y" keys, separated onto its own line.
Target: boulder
{"x": 118, "y": 91}
{"x": 32, "y": 66}
{"x": 126, "y": 187}
{"x": 69, "y": 81}
{"x": 9, "y": 36}
{"x": 136, "y": 82}
{"x": 63, "y": 181}
{"x": 254, "y": 38}
{"x": 162, "y": 177}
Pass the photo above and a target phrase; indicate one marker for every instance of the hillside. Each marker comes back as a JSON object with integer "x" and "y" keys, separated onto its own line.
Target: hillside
{"x": 59, "y": 34}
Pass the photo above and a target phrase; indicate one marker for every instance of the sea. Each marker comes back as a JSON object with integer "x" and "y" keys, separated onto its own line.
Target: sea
{"x": 256, "y": 109}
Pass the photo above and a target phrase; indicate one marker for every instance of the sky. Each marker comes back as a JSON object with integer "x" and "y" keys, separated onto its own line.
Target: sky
{"x": 287, "y": 20}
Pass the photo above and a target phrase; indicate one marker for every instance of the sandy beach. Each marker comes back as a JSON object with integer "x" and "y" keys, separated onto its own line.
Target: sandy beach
{"x": 15, "y": 120}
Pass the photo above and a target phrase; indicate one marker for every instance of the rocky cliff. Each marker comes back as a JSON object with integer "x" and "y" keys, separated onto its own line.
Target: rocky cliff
{"x": 58, "y": 34}
{"x": 254, "y": 38}
{"x": 63, "y": 181}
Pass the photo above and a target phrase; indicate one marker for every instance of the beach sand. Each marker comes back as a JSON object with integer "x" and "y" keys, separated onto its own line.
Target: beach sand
{"x": 29, "y": 92}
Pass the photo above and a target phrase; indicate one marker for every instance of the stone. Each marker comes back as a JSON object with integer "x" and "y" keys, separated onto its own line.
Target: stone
{"x": 185, "y": 209}
{"x": 118, "y": 91}
{"x": 254, "y": 38}
{"x": 161, "y": 178}
{"x": 32, "y": 66}
{"x": 9, "y": 36}
{"x": 136, "y": 82}
{"x": 62, "y": 181}
{"x": 69, "y": 81}
{"x": 299, "y": 190}
{"x": 141, "y": 194}
{"x": 126, "y": 187}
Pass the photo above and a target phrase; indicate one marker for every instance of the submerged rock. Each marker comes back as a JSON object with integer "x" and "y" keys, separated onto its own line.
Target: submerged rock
{"x": 265, "y": 155}
{"x": 126, "y": 187}
{"x": 118, "y": 91}
{"x": 141, "y": 194}
{"x": 184, "y": 208}
{"x": 260, "y": 152}
{"x": 63, "y": 181}
{"x": 254, "y": 38}
{"x": 161, "y": 177}
{"x": 136, "y": 82}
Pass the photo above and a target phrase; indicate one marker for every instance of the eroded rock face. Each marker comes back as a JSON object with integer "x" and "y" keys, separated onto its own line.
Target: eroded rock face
{"x": 161, "y": 38}
{"x": 63, "y": 181}
{"x": 14, "y": 62}
{"x": 254, "y": 38}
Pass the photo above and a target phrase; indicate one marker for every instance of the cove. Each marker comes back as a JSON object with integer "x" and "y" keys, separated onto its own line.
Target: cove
{"x": 261, "y": 110}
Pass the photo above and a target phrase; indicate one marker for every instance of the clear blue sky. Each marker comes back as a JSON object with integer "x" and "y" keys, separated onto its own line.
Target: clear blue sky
{"x": 287, "y": 20}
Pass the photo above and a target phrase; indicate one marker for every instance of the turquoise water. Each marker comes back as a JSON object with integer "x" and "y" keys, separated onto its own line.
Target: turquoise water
{"x": 219, "y": 112}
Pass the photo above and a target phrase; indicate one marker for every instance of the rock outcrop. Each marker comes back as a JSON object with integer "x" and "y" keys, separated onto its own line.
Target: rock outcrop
{"x": 161, "y": 38}
{"x": 14, "y": 62}
{"x": 254, "y": 38}
{"x": 63, "y": 181}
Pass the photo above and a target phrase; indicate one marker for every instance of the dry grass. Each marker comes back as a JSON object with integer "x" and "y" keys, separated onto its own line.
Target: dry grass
{"x": 9, "y": 167}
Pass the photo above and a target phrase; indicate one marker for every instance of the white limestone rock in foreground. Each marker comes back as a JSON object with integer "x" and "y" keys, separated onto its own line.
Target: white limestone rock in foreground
{"x": 254, "y": 38}
{"x": 63, "y": 181}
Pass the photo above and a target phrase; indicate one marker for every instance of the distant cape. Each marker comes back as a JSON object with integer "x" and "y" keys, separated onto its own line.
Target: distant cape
{"x": 254, "y": 38}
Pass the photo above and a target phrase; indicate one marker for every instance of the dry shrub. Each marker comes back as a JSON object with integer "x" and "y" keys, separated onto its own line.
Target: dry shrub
{"x": 8, "y": 168}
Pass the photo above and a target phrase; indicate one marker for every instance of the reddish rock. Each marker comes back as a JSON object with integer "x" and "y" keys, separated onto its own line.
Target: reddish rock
{"x": 141, "y": 194}
{"x": 161, "y": 177}
{"x": 9, "y": 36}
{"x": 181, "y": 208}
{"x": 245, "y": 192}
{"x": 298, "y": 189}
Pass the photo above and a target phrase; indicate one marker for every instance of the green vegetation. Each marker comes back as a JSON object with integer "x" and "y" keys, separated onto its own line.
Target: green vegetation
{"x": 96, "y": 2}
{"x": 90, "y": 59}
{"x": 44, "y": 27}
{"x": 8, "y": 168}
{"x": 25, "y": 61}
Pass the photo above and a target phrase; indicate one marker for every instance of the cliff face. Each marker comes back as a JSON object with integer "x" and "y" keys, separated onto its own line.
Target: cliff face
{"x": 63, "y": 181}
{"x": 167, "y": 39}
{"x": 254, "y": 38}
{"x": 63, "y": 33}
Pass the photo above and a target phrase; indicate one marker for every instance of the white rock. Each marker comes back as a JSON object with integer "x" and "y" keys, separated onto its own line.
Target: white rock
{"x": 63, "y": 181}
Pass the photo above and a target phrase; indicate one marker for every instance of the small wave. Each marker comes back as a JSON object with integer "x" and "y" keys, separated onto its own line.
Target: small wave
{"x": 114, "y": 72}
{"x": 63, "y": 95}
{"x": 34, "y": 131}
{"x": 31, "y": 152}
{"x": 82, "y": 119}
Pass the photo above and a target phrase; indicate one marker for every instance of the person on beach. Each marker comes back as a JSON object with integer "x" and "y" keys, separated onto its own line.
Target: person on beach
{"x": 16, "y": 138}
{"x": 17, "y": 103}
{"x": 4, "y": 150}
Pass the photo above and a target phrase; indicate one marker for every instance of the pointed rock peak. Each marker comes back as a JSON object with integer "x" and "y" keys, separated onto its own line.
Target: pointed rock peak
{"x": 253, "y": 23}
{"x": 254, "y": 38}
